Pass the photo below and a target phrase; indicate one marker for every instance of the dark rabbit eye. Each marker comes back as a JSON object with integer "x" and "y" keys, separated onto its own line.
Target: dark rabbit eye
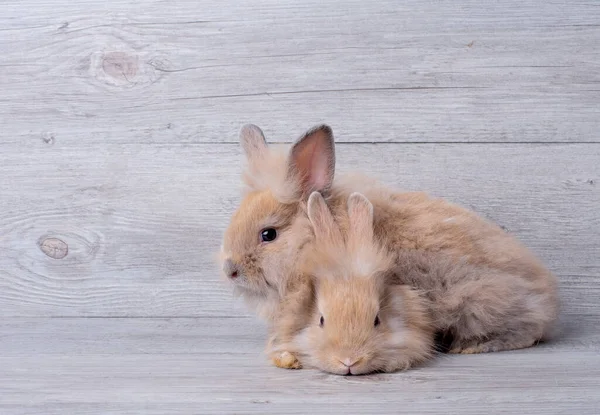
{"x": 377, "y": 321}
{"x": 321, "y": 321}
{"x": 268, "y": 235}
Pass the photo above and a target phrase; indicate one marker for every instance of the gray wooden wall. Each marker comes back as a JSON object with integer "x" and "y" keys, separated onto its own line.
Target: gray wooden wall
{"x": 119, "y": 163}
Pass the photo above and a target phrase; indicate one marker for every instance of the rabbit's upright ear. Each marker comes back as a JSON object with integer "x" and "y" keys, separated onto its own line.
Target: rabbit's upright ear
{"x": 322, "y": 220}
{"x": 369, "y": 257}
{"x": 360, "y": 215}
{"x": 253, "y": 142}
{"x": 311, "y": 162}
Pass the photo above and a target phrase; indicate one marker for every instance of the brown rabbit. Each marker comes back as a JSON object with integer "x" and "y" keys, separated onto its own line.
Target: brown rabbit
{"x": 347, "y": 319}
{"x": 268, "y": 233}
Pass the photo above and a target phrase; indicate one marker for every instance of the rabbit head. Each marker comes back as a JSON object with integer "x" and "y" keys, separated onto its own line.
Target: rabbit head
{"x": 359, "y": 323}
{"x": 269, "y": 229}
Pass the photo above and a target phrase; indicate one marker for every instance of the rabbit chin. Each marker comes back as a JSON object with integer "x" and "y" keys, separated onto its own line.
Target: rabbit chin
{"x": 340, "y": 369}
{"x": 261, "y": 300}
{"x": 333, "y": 365}
{"x": 381, "y": 364}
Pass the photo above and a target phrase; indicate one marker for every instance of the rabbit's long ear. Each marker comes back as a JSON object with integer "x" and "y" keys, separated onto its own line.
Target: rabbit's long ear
{"x": 253, "y": 142}
{"x": 311, "y": 163}
{"x": 258, "y": 173}
{"x": 369, "y": 258}
{"x": 360, "y": 215}
{"x": 324, "y": 225}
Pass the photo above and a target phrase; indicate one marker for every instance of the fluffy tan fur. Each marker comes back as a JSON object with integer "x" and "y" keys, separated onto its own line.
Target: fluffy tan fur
{"x": 264, "y": 268}
{"x": 279, "y": 187}
{"x": 347, "y": 319}
{"x": 479, "y": 308}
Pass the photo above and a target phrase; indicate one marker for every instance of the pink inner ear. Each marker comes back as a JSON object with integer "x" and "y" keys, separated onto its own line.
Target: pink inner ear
{"x": 319, "y": 171}
{"x": 312, "y": 158}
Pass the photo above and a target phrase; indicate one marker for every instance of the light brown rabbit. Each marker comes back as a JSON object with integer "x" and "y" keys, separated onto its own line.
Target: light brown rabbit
{"x": 264, "y": 242}
{"x": 346, "y": 319}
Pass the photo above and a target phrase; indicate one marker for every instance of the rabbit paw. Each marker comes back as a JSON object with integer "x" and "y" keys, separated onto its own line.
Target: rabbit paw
{"x": 286, "y": 360}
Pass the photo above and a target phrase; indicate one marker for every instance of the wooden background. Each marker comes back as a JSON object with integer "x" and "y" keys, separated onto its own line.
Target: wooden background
{"x": 120, "y": 165}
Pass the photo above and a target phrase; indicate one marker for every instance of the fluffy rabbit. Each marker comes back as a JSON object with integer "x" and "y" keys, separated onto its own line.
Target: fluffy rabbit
{"x": 264, "y": 242}
{"x": 347, "y": 319}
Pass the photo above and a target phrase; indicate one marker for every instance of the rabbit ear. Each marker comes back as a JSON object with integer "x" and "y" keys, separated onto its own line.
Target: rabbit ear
{"x": 360, "y": 214}
{"x": 253, "y": 142}
{"x": 324, "y": 225}
{"x": 369, "y": 258}
{"x": 312, "y": 160}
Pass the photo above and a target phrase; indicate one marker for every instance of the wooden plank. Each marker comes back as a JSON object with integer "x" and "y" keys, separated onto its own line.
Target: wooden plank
{"x": 77, "y": 336}
{"x": 416, "y": 71}
{"x": 142, "y": 222}
{"x": 207, "y": 366}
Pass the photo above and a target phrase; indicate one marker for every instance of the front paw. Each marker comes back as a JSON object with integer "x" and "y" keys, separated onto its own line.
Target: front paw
{"x": 286, "y": 360}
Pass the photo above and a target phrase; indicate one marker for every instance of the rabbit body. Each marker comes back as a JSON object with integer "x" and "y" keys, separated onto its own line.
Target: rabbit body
{"x": 477, "y": 262}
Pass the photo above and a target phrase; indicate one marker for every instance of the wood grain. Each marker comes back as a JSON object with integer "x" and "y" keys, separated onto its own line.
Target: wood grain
{"x": 76, "y": 336}
{"x": 143, "y": 221}
{"x": 411, "y": 71}
{"x": 185, "y": 366}
{"x": 119, "y": 168}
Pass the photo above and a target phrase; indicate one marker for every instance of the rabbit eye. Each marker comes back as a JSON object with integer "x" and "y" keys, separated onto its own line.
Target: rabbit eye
{"x": 268, "y": 235}
{"x": 321, "y": 321}
{"x": 377, "y": 322}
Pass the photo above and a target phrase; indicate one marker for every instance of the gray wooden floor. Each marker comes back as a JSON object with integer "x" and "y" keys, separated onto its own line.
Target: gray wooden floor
{"x": 119, "y": 168}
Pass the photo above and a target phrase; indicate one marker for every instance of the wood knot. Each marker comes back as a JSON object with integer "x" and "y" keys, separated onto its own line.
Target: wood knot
{"x": 48, "y": 138}
{"x": 125, "y": 69}
{"x": 54, "y": 248}
{"x": 120, "y": 65}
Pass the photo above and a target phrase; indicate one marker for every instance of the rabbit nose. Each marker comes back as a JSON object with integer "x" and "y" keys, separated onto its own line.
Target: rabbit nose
{"x": 349, "y": 362}
{"x": 230, "y": 269}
